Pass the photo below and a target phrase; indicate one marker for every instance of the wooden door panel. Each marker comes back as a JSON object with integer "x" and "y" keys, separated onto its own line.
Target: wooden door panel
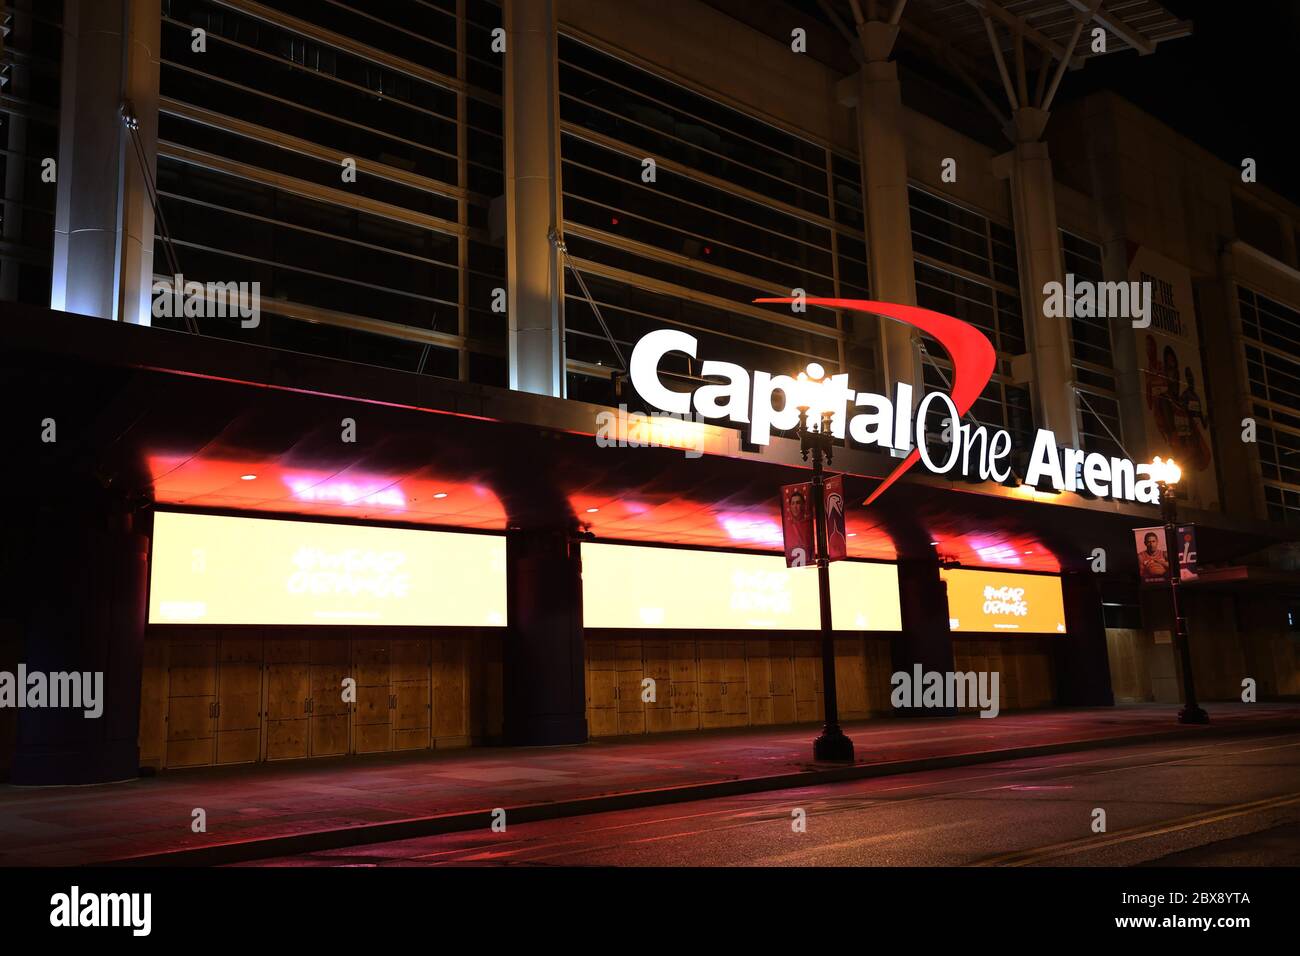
{"x": 330, "y": 714}
{"x": 781, "y": 680}
{"x": 191, "y": 668}
{"x": 329, "y": 735}
{"x": 370, "y": 663}
{"x": 374, "y": 706}
{"x": 191, "y": 702}
{"x": 602, "y": 689}
{"x": 710, "y": 665}
{"x": 684, "y": 692}
{"x": 190, "y": 718}
{"x": 287, "y": 689}
{"x": 851, "y": 678}
{"x": 287, "y": 739}
{"x": 372, "y": 738}
{"x": 658, "y": 668}
{"x": 239, "y": 701}
{"x": 450, "y": 704}
{"x": 239, "y": 698}
{"x": 412, "y": 715}
{"x": 808, "y": 680}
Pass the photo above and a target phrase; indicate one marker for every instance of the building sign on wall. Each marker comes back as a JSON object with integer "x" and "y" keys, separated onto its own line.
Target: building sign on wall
{"x": 985, "y": 601}
{"x": 628, "y": 586}
{"x": 870, "y": 420}
{"x": 1172, "y": 377}
{"x": 212, "y": 569}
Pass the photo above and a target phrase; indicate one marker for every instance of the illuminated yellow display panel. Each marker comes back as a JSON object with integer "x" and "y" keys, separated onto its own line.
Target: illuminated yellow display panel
{"x": 999, "y": 601}
{"x": 209, "y": 569}
{"x": 627, "y": 586}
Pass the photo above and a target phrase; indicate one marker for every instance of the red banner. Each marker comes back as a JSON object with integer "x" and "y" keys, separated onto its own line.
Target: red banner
{"x": 797, "y": 525}
{"x": 837, "y": 545}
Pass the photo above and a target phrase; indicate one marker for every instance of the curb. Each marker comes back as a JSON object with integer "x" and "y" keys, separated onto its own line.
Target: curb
{"x": 222, "y": 854}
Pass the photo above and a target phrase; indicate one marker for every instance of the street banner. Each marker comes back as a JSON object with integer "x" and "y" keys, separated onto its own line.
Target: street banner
{"x": 1153, "y": 556}
{"x": 837, "y": 544}
{"x": 1172, "y": 379}
{"x": 797, "y": 525}
{"x": 1187, "y": 570}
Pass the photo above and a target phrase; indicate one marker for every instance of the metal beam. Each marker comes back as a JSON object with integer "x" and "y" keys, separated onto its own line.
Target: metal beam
{"x": 840, "y": 25}
{"x": 1018, "y": 25}
{"x": 1002, "y": 64}
{"x": 1115, "y": 25}
{"x": 1046, "y": 103}
{"x": 1003, "y": 120}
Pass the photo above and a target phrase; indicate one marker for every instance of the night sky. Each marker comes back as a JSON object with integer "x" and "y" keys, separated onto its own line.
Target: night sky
{"x": 1230, "y": 87}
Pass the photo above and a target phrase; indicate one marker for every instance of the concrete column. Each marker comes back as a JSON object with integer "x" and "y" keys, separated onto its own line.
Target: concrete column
{"x": 1082, "y": 660}
{"x": 1038, "y": 244}
{"x": 532, "y": 160}
{"x": 83, "y": 564}
{"x": 103, "y": 227}
{"x": 925, "y": 638}
{"x": 144, "y": 22}
{"x": 544, "y": 686}
{"x": 1104, "y": 162}
{"x": 882, "y": 149}
{"x": 1241, "y": 490}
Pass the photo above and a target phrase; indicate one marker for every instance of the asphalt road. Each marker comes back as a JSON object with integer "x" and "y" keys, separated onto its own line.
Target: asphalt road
{"x": 1231, "y": 801}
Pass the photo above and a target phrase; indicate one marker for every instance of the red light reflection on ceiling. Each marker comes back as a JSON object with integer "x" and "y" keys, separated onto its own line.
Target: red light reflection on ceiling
{"x": 268, "y": 486}
{"x": 1008, "y": 552}
{"x": 685, "y": 521}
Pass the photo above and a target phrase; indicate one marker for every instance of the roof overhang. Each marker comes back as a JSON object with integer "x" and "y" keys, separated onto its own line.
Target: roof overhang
{"x": 179, "y": 421}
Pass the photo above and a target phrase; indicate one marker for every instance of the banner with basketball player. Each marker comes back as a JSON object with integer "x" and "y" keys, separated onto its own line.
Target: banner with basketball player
{"x": 797, "y": 525}
{"x": 1154, "y": 559}
{"x": 1172, "y": 377}
{"x": 797, "y": 517}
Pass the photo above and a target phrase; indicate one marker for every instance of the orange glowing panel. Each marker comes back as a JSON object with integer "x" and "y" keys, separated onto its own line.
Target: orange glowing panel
{"x": 626, "y": 586}
{"x": 987, "y": 601}
{"x": 211, "y": 569}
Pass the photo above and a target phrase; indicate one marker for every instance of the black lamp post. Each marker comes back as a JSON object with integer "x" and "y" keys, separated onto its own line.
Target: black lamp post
{"x": 1167, "y": 475}
{"x": 819, "y": 442}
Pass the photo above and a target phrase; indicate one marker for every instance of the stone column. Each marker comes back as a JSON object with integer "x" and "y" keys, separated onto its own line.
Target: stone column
{"x": 83, "y": 560}
{"x": 1241, "y": 490}
{"x": 925, "y": 638}
{"x": 103, "y": 226}
{"x": 1038, "y": 245}
{"x": 532, "y": 161}
{"x": 1082, "y": 659}
{"x": 544, "y": 684}
{"x": 882, "y": 149}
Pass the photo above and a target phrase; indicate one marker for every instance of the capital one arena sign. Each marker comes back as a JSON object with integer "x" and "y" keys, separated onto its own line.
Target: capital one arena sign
{"x": 870, "y": 420}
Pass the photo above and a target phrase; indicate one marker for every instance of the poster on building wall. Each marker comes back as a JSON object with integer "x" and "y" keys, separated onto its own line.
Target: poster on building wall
{"x": 1171, "y": 373}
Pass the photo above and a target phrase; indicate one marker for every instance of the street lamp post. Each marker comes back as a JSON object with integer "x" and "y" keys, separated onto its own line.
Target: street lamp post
{"x": 1166, "y": 474}
{"x": 819, "y": 442}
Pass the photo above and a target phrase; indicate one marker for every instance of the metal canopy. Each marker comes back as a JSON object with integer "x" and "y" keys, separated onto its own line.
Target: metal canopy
{"x": 1049, "y": 25}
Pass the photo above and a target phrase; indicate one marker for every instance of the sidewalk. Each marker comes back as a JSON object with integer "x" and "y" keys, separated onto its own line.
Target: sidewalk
{"x": 274, "y": 809}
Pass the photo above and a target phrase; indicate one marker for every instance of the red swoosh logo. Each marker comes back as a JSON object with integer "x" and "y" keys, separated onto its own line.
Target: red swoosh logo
{"x": 971, "y": 353}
